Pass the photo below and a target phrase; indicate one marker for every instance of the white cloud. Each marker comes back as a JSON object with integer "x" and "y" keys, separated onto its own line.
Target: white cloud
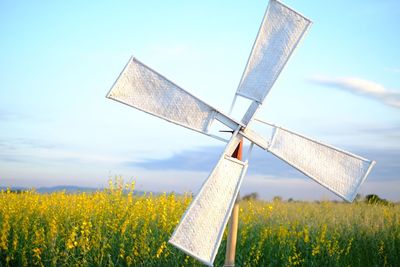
{"x": 362, "y": 87}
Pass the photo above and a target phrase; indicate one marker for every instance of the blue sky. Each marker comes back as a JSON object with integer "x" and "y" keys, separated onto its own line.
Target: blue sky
{"x": 59, "y": 59}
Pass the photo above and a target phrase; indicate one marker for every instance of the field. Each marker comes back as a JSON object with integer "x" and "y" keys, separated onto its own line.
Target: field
{"x": 116, "y": 228}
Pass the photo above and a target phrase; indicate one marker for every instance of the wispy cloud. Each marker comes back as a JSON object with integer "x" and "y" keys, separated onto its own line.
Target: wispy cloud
{"x": 204, "y": 159}
{"x": 361, "y": 87}
{"x": 263, "y": 163}
{"x": 37, "y": 151}
{"x": 394, "y": 70}
{"x": 11, "y": 144}
{"x": 6, "y": 115}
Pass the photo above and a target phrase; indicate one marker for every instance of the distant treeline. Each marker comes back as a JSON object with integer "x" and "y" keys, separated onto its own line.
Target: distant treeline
{"x": 369, "y": 199}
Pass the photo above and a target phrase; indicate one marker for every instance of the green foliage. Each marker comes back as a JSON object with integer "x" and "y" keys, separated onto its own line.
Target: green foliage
{"x": 277, "y": 199}
{"x": 251, "y": 196}
{"x": 375, "y": 199}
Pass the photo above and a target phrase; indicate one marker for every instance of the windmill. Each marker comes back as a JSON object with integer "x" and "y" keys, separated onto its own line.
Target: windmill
{"x": 200, "y": 231}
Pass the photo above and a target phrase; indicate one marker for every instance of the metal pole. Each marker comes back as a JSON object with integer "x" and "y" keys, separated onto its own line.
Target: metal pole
{"x": 233, "y": 221}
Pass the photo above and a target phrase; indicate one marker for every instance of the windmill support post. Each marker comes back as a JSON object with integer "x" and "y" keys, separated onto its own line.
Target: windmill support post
{"x": 234, "y": 220}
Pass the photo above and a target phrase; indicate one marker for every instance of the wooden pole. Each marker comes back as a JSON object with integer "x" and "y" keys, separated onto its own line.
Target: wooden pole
{"x": 233, "y": 221}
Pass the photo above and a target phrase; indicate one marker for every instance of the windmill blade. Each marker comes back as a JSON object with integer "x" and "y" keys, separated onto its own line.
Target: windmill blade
{"x": 141, "y": 87}
{"x": 201, "y": 228}
{"x": 280, "y": 32}
{"x": 339, "y": 171}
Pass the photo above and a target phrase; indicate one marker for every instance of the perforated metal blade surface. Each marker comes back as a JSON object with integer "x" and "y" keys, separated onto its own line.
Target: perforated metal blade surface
{"x": 143, "y": 88}
{"x": 201, "y": 228}
{"x": 337, "y": 170}
{"x": 281, "y": 30}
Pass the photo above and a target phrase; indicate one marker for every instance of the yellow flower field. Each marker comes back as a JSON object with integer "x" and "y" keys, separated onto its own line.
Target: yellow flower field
{"x": 116, "y": 228}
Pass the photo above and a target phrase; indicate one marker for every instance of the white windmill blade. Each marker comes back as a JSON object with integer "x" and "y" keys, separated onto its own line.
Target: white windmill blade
{"x": 201, "y": 228}
{"x": 339, "y": 171}
{"x": 280, "y": 32}
{"x": 141, "y": 87}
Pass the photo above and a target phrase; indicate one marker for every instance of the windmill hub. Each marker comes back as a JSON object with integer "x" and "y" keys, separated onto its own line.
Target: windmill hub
{"x": 201, "y": 228}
